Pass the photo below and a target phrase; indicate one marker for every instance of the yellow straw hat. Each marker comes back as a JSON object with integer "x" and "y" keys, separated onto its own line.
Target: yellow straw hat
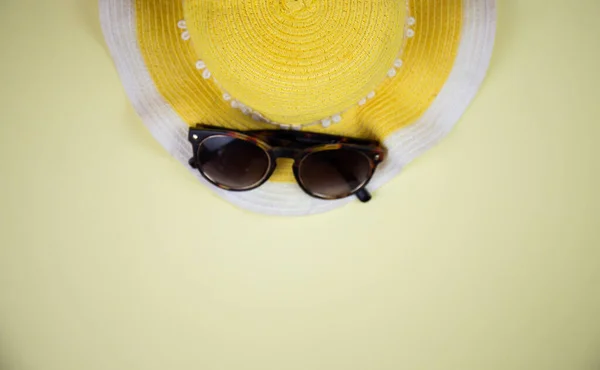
{"x": 398, "y": 71}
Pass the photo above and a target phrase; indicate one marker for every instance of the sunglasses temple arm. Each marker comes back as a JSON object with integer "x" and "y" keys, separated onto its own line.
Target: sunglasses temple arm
{"x": 363, "y": 195}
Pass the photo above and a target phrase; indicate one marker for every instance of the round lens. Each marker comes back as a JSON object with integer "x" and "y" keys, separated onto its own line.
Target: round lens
{"x": 334, "y": 173}
{"x": 233, "y": 163}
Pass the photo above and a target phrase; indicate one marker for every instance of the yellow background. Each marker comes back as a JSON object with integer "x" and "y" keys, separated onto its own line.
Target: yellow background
{"x": 483, "y": 254}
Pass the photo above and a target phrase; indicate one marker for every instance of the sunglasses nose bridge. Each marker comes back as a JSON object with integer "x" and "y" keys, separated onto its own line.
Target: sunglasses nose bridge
{"x": 283, "y": 152}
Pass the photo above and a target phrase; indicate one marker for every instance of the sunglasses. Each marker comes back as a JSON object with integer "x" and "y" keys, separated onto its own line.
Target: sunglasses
{"x": 325, "y": 166}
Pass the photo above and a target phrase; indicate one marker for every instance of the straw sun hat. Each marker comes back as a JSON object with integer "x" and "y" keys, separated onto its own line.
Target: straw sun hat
{"x": 398, "y": 71}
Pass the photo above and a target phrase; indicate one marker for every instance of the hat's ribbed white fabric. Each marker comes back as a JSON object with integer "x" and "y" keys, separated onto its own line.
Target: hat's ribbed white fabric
{"x": 119, "y": 25}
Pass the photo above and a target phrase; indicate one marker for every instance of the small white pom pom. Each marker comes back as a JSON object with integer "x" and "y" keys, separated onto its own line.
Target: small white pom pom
{"x": 200, "y": 64}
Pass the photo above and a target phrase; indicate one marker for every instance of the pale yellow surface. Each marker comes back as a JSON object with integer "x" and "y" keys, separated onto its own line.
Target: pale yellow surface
{"x": 483, "y": 255}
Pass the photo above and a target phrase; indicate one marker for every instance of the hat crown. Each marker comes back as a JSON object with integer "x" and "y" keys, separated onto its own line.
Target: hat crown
{"x": 297, "y": 61}
{"x": 293, "y": 6}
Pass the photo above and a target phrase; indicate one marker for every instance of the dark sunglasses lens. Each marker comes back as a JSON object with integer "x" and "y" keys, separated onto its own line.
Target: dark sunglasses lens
{"x": 334, "y": 173}
{"x": 234, "y": 163}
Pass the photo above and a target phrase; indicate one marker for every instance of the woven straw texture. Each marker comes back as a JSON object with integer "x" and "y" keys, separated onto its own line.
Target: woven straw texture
{"x": 443, "y": 66}
{"x": 297, "y": 61}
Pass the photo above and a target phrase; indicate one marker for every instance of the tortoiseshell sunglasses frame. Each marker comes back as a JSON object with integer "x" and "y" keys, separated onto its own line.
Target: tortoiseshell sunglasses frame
{"x": 295, "y": 145}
